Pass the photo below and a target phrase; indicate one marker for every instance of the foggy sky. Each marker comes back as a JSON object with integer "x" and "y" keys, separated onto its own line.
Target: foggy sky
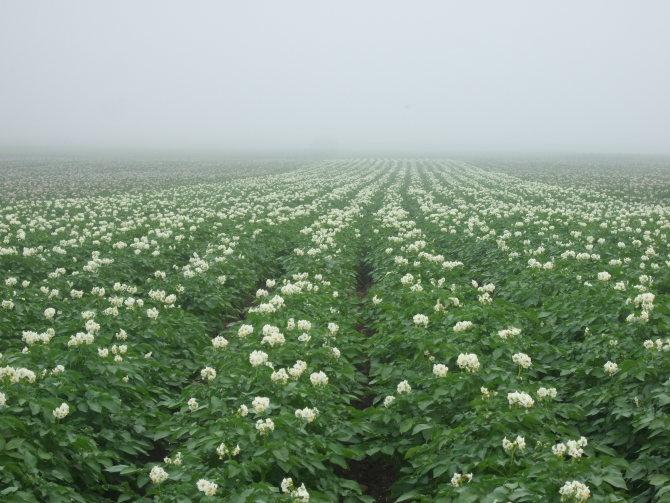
{"x": 343, "y": 75}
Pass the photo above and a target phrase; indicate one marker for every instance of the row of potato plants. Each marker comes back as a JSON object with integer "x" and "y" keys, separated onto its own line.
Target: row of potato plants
{"x": 507, "y": 365}
{"x": 208, "y": 340}
{"x": 94, "y": 350}
{"x": 267, "y": 416}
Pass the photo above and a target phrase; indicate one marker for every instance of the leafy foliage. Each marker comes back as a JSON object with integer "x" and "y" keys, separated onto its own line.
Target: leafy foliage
{"x": 471, "y": 334}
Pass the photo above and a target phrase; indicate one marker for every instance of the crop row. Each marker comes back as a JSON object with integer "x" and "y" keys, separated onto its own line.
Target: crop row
{"x": 518, "y": 346}
{"x": 349, "y": 331}
{"x": 115, "y": 338}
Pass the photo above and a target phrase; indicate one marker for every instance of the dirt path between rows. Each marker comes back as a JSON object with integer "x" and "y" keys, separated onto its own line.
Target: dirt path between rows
{"x": 375, "y": 474}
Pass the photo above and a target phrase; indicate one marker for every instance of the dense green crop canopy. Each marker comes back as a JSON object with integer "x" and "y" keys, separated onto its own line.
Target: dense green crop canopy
{"x": 343, "y": 330}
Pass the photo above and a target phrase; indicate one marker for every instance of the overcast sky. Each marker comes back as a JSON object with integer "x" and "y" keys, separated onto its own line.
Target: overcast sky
{"x": 421, "y": 76}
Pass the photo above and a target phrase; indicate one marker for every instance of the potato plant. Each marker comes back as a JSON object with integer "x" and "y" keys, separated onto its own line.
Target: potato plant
{"x": 344, "y": 330}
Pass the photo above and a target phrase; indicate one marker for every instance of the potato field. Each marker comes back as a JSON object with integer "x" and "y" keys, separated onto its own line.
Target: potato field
{"x": 335, "y": 331}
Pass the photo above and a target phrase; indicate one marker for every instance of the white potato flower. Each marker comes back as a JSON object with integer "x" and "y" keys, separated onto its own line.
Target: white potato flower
{"x": 158, "y": 475}
{"x": 420, "y": 320}
{"x": 207, "y": 487}
{"x": 610, "y": 368}
{"x": 266, "y": 426}
{"x": 219, "y": 342}
{"x": 245, "y": 330}
{"x": 318, "y": 378}
{"x": 468, "y": 362}
{"x": 61, "y": 411}
{"x": 518, "y": 444}
{"x": 257, "y": 358}
{"x": 574, "y": 491}
{"x": 462, "y": 326}
{"x": 208, "y": 374}
{"x": 308, "y": 415}
{"x": 458, "y": 479}
{"x": 403, "y": 388}
{"x": 260, "y": 404}
{"x": 604, "y": 276}
{"x": 521, "y": 399}
{"x": 543, "y": 393}
{"x": 522, "y": 360}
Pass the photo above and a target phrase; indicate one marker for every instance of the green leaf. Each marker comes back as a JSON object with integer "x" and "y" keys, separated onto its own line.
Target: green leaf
{"x": 116, "y": 468}
{"x": 161, "y": 434}
{"x": 95, "y": 407}
{"x": 339, "y": 461}
{"x": 615, "y": 480}
{"x": 281, "y": 454}
{"x": 406, "y": 425}
{"x": 421, "y": 427}
{"x": 408, "y": 496}
{"x": 658, "y": 479}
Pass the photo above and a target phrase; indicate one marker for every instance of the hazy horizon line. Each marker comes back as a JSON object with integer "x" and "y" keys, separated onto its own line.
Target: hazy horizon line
{"x": 312, "y": 152}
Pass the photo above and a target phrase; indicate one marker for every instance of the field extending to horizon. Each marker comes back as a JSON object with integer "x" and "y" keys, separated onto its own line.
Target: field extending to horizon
{"x": 352, "y": 330}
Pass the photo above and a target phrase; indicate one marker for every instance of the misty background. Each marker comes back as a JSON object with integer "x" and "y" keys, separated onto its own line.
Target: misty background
{"x": 339, "y": 77}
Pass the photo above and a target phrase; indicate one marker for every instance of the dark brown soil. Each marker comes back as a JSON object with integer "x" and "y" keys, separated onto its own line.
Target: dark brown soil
{"x": 375, "y": 475}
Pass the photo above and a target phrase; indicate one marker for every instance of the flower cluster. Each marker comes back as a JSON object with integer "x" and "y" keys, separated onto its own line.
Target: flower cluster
{"x": 574, "y": 491}
{"x": 573, "y": 448}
